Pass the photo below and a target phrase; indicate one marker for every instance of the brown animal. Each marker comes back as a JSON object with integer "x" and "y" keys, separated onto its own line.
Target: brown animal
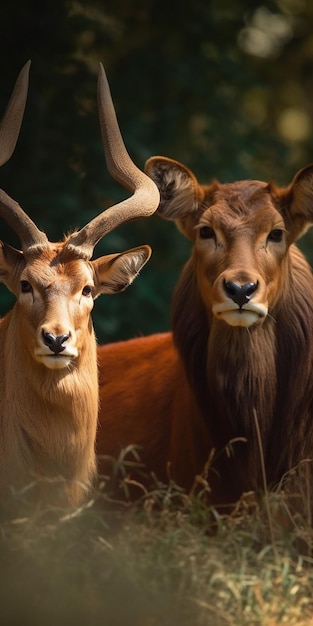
{"x": 240, "y": 356}
{"x": 48, "y": 360}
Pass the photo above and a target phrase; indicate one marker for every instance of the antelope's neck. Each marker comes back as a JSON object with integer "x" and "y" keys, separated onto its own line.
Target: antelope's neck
{"x": 47, "y": 414}
{"x": 240, "y": 400}
{"x": 242, "y": 380}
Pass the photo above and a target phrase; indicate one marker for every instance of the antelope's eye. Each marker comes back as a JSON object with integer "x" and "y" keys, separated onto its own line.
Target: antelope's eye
{"x": 206, "y": 232}
{"x": 87, "y": 291}
{"x": 275, "y": 235}
{"x": 26, "y": 286}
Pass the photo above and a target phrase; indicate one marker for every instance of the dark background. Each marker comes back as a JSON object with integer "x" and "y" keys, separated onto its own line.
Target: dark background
{"x": 224, "y": 86}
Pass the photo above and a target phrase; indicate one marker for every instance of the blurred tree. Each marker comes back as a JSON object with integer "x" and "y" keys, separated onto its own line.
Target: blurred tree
{"x": 223, "y": 87}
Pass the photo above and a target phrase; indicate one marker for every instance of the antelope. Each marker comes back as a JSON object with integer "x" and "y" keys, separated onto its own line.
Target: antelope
{"x": 232, "y": 382}
{"x": 48, "y": 358}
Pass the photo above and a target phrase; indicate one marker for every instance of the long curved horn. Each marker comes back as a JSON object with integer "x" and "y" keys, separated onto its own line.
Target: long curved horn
{"x": 145, "y": 199}
{"x": 10, "y": 126}
{"x": 29, "y": 235}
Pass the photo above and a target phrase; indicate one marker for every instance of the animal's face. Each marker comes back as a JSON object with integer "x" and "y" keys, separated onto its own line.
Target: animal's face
{"x": 54, "y": 303}
{"x": 239, "y": 244}
{"x": 241, "y": 234}
{"x": 55, "y": 284}
{"x": 55, "y": 294}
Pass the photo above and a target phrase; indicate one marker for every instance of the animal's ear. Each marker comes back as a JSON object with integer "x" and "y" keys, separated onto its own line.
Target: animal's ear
{"x": 115, "y": 272}
{"x": 180, "y": 192}
{"x": 297, "y": 202}
{"x": 11, "y": 265}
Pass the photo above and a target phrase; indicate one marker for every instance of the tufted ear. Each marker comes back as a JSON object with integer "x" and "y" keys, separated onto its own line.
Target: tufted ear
{"x": 115, "y": 272}
{"x": 11, "y": 264}
{"x": 180, "y": 192}
{"x": 297, "y": 203}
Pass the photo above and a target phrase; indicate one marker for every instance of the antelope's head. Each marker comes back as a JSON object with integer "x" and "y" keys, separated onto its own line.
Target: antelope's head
{"x": 56, "y": 283}
{"x": 241, "y": 233}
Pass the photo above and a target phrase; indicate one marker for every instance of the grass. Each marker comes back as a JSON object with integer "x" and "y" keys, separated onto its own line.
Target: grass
{"x": 167, "y": 560}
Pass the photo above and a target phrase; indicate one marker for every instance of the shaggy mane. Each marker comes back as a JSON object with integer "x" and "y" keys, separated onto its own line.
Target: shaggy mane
{"x": 238, "y": 374}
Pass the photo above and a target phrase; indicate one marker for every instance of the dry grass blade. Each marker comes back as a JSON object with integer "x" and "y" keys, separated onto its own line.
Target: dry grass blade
{"x": 162, "y": 562}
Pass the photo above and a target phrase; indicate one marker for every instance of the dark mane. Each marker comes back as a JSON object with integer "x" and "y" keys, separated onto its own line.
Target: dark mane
{"x": 291, "y": 434}
{"x": 263, "y": 371}
{"x": 191, "y": 330}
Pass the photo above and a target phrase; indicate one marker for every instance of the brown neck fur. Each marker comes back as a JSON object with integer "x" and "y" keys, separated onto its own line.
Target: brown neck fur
{"x": 47, "y": 417}
{"x": 236, "y": 373}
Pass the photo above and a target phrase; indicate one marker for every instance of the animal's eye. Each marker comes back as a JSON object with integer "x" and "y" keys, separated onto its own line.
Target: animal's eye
{"x": 276, "y": 235}
{"x": 206, "y": 232}
{"x": 26, "y": 286}
{"x": 87, "y": 290}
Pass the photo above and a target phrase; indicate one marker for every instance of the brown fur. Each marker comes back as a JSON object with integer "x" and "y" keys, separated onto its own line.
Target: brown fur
{"x": 183, "y": 395}
{"x": 48, "y": 361}
{"x": 49, "y": 406}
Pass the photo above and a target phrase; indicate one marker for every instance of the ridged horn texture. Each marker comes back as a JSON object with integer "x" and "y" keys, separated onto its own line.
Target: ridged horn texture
{"x": 11, "y": 122}
{"x": 145, "y": 198}
{"x": 142, "y": 203}
{"x": 10, "y": 126}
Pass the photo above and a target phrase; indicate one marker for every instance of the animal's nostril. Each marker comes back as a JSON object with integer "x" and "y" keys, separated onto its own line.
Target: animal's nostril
{"x": 249, "y": 289}
{"x": 240, "y": 294}
{"x": 54, "y": 343}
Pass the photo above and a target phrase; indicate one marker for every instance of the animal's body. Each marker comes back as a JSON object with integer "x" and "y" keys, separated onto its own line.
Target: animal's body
{"x": 48, "y": 359}
{"x": 241, "y": 347}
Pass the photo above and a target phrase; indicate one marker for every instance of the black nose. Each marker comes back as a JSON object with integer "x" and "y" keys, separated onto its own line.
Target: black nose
{"x": 55, "y": 344}
{"x": 240, "y": 294}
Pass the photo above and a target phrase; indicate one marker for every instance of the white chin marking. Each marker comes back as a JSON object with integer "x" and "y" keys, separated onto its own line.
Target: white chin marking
{"x": 241, "y": 317}
{"x": 56, "y": 362}
{"x": 235, "y": 318}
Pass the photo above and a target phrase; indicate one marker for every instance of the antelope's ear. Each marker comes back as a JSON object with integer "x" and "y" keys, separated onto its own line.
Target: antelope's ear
{"x": 297, "y": 202}
{"x": 115, "y": 272}
{"x": 180, "y": 192}
{"x": 11, "y": 264}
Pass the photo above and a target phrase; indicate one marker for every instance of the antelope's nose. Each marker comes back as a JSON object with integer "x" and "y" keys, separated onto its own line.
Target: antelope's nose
{"x": 54, "y": 343}
{"x": 240, "y": 294}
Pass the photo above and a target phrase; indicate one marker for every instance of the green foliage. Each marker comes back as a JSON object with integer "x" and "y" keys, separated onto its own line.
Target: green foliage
{"x": 221, "y": 86}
